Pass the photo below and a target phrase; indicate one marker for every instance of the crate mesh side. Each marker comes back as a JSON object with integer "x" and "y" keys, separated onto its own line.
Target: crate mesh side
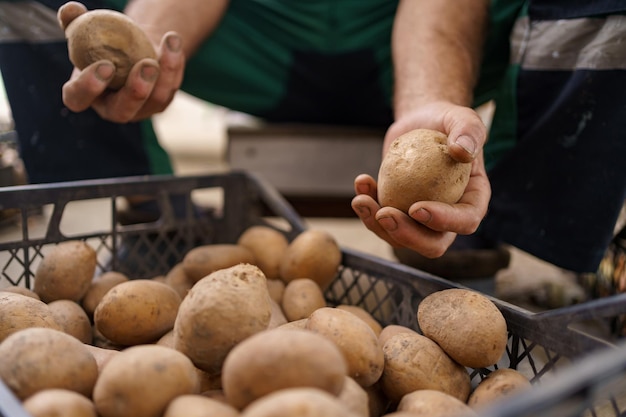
{"x": 394, "y": 301}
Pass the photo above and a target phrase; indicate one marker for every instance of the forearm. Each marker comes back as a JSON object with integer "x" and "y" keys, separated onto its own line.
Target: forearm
{"x": 437, "y": 51}
{"x": 194, "y": 20}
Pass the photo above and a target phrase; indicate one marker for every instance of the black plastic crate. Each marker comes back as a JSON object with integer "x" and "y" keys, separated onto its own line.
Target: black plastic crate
{"x": 545, "y": 346}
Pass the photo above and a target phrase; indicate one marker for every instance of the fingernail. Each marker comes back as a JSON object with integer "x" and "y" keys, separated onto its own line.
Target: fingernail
{"x": 105, "y": 71}
{"x": 173, "y": 43}
{"x": 149, "y": 73}
{"x": 364, "y": 212}
{"x": 421, "y": 215}
{"x": 388, "y": 223}
{"x": 467, "y": 143}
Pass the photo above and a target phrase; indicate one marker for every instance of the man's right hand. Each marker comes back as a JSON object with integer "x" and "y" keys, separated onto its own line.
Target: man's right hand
{"x": 149, "y": 89}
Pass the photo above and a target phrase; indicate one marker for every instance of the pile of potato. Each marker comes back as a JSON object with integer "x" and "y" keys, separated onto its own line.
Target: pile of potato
{"x": 240, "y": 330}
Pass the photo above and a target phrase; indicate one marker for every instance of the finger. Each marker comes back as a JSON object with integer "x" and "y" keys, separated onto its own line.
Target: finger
{"x": 123, "y": 105}
{"x": 365, "y": 184}
{"x": 84, "y": 87}
{"x": 172, "y": 66}
{"x": 467, "y": 134}
{"x": 68, "y": 12}
{"x": 365, "y": 208}
{"x": 405, "y": 232}
{"x": 463, "y": 217}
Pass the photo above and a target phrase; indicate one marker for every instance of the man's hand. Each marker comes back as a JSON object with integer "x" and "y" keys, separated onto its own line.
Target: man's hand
{"x": 430, "y": 227}
{"x": 149, "y": 89}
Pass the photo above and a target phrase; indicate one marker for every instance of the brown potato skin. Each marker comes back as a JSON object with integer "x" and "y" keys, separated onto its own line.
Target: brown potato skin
{"x": 73, "y": 319}
{"x": 499, "y": 384}
{"x": 206, "y": 259}
{"x": 355, "y": 398}
{"x": 239, "y": 297}
{"x": 302, "y": 297}
{"x": 278, "y": 316}
{"x": 418, "y": 167}
{"x": 297, "y": 402}
{"x": 178, "y": 279}
{"x": 26, "y": 367}
{"x": 392, "y": 329}
{"x": 101, "y": 355}
{"x": 313, "y": 254}
{"x": 268, "y": 246}
{"x": 59, "y": 402}
{"x": 199, "y": 406}
{"x": 142, "y": 380}
{"x": 21, "y": 290}
{"x": 433, "y": 403}
{"x": 363, "y": 315}
{"x": 291, "y": 358}
{"x": 66, "y": 272}
{"x": 276, "y": 288}
{"x": 107, "y": 34}
{"x": 355, "y": 338}
{"x": 98, "y": 287}
{"x": 137, "y": 312}
{"x": 466, "y": 324}
{"x": 21, "y": 311}
{"x": 414, "y": 362}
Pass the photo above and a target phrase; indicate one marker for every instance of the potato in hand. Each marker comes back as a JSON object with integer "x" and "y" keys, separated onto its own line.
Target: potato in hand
{"x": 418, "y": 167}
{"x": 106, "y": 34}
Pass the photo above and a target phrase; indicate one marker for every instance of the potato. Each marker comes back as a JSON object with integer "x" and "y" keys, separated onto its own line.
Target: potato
{"x": 167, "y": 339}
{"x": 21, "y": 311}
{"x": 297, "y": 402}
{"x": 301, "y": 298}
{"x": 178, "y": 279}
{"x": 499, "y": 384}
{"x": 100, "y": 341}
{"x": 313, "y": 254}
{"x": 101, "y": 355}
{"x": 268, "y": 246}
{"x": 278, "y": 316}
{"x": 59, "y": 402}
{"x": 66, "y": 272}
{"x": 276, "y": 288}
{"x": 220, "y": 311}
{"x": 363, "y": 315}
{"x": 158, "y": 278}
{"x": 35, "y": 359}
{"x": 433, "y": 403}
{"x": 137, "y": 312}
{"x": 418, "y": 167}
{"x": 21, "y": 290}
{"x": 141, "y": 381}
{"x": 355, "y": 398}
{"x": 203, "y": 260}
{"x": 356, "y": 340}
{"x": 297, "y": 324}
{"x": 467, "y": 325}
{"x": 414, "y": 362}
{"x": 107, "y": 34}
{"x": 199, "y": 406}
{"x": 72, "y": 318}
{"x": 390, "y": 330}
{"x": 98, "y": 287}
{"x": 278, "y": 359}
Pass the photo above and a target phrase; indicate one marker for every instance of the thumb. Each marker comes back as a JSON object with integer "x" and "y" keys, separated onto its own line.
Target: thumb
{"x": 467, "y": 136}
